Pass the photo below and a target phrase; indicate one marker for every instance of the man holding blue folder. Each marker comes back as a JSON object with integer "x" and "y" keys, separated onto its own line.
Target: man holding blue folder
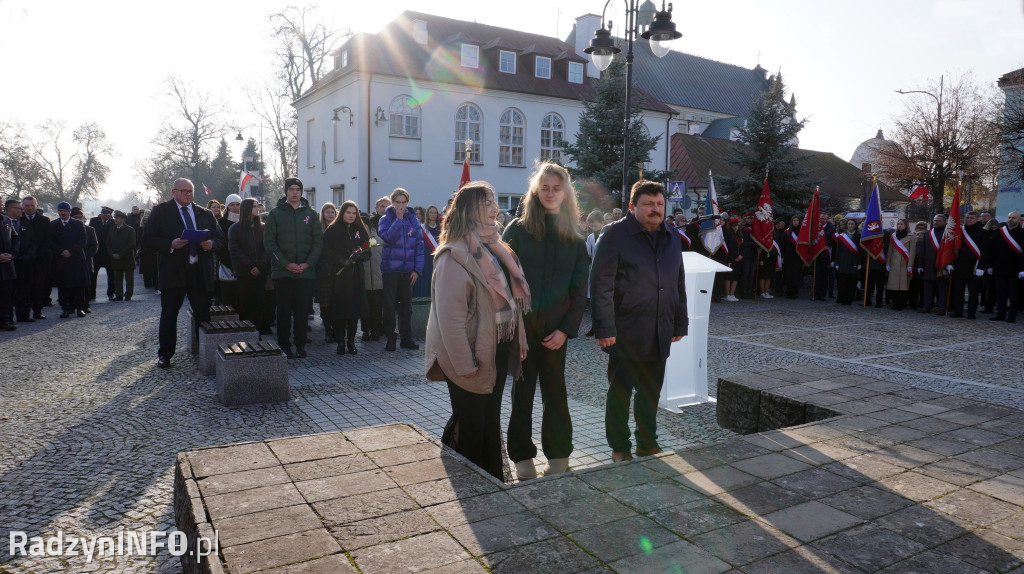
{"x": 184, "y": 237}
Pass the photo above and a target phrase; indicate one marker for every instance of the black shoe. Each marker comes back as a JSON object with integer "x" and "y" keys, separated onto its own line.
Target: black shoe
{"x": 341, "y": 349}
{"x": 1011, "y": 319}
{"x": 86, "y": 310}
{"x": 163, "y": 362}
{"x": 391, "y": 344}
{"x": 410, "y": 344}
{"x": 112, "y": 298}
{"x": 65, "y": 314}
{"x": 956, "y": 314}
{"x": 352, "y": 348}
{"x": 127, "y": 297}
{"x": 366, "y": 337}
{"x": 27, "y": 320}
{"x": 81, "y": 313}
{"x": 118, "y": 298}
{"x": 8, "y": 327}
{"x": 972, "y": 316}
{"x": 300, "y": 352}
{"x": 997, "y": 318}
{"x": 329, "y": 338}
{"x": 288, "y": 351}
{"x": 38, "y": 316}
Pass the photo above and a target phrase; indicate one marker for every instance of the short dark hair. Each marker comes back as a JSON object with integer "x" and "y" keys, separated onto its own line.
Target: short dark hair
{"x": 645, "y": 187}
{"x": 10, "y": 202}
{"x": 971, "y": 212}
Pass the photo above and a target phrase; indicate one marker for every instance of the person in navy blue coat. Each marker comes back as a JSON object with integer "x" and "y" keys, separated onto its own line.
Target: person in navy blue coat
{"x": 638, "y": 291}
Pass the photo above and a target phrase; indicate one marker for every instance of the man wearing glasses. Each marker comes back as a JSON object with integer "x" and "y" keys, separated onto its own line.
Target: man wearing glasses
{"x": 184, "y": 267}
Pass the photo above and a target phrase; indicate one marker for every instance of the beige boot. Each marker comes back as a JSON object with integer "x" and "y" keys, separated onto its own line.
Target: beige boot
{"x": 525, "y": 470}
{"x": 556, "y": 466}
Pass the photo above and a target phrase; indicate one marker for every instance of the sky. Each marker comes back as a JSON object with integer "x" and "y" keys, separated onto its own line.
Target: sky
{"x": 106, "y": 61}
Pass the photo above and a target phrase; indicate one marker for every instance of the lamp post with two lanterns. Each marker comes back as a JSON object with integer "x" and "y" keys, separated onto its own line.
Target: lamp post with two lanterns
{"x": 660, "y": 32}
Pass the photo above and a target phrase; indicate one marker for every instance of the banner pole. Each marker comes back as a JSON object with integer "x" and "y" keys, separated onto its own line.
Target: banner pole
{"x": 867, "y": 275}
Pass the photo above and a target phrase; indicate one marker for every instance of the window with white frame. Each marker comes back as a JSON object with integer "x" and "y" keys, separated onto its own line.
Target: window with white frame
{"x": 468, "y": 125}
{"x": 470, "y": 56}
{"x": 405, "y": 117}
{"x": 507, "y": 61}
{"x": 509, "y": 203}
{"x": 310, "y": 151}
{"x": 552, "y": 131}
{"x": 543, "y": 69}
{"x": 511, "y": 135}
{"x": 575, "y": 72}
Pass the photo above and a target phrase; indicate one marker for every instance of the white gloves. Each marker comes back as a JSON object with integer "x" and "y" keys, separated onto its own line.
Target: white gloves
{"x": 1020, "y": 275}
{"x": 979, "y": 272}
{"x": 920, "y": 270}
{"x": 949, "y": 268}
{"x": 989, "y": 270}
{"x": 859, "y": 267}
{"x": 887, "y": 268}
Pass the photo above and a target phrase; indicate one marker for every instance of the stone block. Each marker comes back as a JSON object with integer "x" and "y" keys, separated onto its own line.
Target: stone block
{"x": 777, "y": 412}
{"x": 217, "y": 313}
{"x": 249, "y": 373}
{"x": 738, "y": 407}
{"x": 213, "y": 335}
{"x": 814, "y": 413}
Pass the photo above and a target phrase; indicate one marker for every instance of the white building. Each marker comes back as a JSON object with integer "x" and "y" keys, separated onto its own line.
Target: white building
{"x": 407, "y": 97}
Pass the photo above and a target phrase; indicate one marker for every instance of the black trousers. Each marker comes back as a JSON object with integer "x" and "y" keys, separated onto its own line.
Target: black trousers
{"x": 6, "y": 301}
{"x": 625, "y": 375}
{"x": 846, "y": 287}
{"x": 170, "y": 304}
{"x": 41, "y": 287}
{"x": 372, "y": 322}
{"x": 23, "y": 291}
{"x": 249, "y": 294}
{"x": 397, "y": 296}
{"x": 556, "y": 426}
{"x": 294, "y": 297}
{"x": 474, "y": 429}
{"x": 72, "y": 298}
{"x": 973, "y": 286}
{"x": 934, "y": 293}
{"x": 915, "y": 293}
{"x": 876, "y": 286}
{"x": 110, "y": 283}
{"x": 124, "y": 283}
{"x": 1007, "y": 289}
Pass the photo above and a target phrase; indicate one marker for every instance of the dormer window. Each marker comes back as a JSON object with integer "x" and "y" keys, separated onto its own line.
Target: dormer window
{"x": 470, "y": 56}
{"x": 543, "y": 69}
{"x": 507, "y": 62}
{"x": 341, "y": 60}
{"x": 419, "y": 31}
{"x": 575, "y": 72}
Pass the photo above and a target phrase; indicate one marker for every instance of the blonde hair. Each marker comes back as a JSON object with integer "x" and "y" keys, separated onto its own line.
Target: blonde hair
{"x": 399, "y": 191}
{"x": 323, "y": 208}
{"x": 533, "y": 211}
{"x": 460, "y": 219}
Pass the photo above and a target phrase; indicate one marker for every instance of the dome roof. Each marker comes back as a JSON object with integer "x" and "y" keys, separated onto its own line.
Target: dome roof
{"x": 868, "y": 151}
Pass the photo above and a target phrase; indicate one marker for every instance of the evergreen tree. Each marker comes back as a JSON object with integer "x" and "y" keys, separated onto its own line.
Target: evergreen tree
{"x": 769, "y": 139}
{"x": 598, "y": 150}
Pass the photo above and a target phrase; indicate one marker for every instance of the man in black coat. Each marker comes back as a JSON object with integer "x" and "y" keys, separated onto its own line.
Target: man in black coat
{"x": 102, "y": 224}
{"x": 121, "y": 246}
{"x": 70, "y": 264}
{"x": 183, "y": 268}
{"x": 22, "y": 262}
{"x": 638, "y": 287}
{"x": 1004, "y": 261}
{"x": 10, "y": 244}
{"x": 932, "y": 276}
{"x": 41, "y": 272}
{"x": 967, "y": 270}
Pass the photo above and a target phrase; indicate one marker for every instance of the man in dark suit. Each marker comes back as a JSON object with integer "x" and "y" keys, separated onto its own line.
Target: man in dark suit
{"x": 10, "y": 245}
{"x": 41, "y": 285}
{"x": 22, "y": 261}
{"x": 70, "y": 265}
{"x": 183, "y": 268}
{"x": 102, "y": 224}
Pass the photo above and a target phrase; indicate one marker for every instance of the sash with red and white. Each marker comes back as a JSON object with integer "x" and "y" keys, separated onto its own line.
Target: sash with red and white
{"x": 778, "y": 254}
{"x": 428, "y": 239}
{"x": 793, "y": 237}
{"x": 972, "y": 245}
{"x": 902, "y": 250}
{"x": 684, "y": 236}
{"x": 936, "y": 241}
{"x": 847, "y": 241}
{"x": 1009, "y": 240}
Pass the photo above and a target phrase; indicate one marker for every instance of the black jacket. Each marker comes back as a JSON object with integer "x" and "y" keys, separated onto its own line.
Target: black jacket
{"x": 966, "y": 261}
{"x": 165, "y": 225}
{"x": 41, "y": 233}
{"x": 27, "y": 251}
{"x": 925, "y": 257}
{"x": 10, "y": 243}
{"x": 102, "y": 256}
{"x": 638, "y": 290}
{"x": 1000, "y": 257}
{"x": 845, "y": 259}
{"x": 247, "y": 251}
{"x": 557, "y": 275}
{"x": 73, "y": 271}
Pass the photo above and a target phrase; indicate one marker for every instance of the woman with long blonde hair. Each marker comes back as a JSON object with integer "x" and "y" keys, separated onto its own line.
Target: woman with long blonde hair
{"x": 556, "y": 264}
{"x": 475, "y": 333}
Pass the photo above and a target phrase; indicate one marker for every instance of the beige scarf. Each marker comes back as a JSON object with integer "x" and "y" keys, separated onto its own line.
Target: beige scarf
{"x": 510, "y": 301}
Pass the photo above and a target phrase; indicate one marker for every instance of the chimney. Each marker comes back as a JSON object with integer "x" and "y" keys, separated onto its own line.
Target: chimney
{"x": 586, "y": 25}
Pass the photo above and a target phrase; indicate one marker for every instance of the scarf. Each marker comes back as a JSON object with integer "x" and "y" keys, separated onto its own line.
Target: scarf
{"x": 510, "y": 301}
{"x": 233, "y": 217}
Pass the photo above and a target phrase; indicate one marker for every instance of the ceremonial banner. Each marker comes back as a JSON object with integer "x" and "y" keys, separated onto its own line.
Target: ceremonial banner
{"x": 763, "y": 230}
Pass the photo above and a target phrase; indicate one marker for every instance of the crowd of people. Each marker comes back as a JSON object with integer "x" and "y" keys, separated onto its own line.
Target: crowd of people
{"x": 506, "y": 292}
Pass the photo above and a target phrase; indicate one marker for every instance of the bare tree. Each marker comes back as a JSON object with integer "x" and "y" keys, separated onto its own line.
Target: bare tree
{"x": 937, "y": 142}
{"x": 274, "y": 111}
{"x": 20, "y": 173}
{"x": 1010, "y": 120}
{"x": 303, "y": 47}
{"x": 71, "y": 171}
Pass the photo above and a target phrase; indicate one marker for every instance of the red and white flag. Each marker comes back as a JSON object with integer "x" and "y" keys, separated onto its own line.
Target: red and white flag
{"x": 763, "y": 230}
{"x": 952, "y": 237}
{"x": 811, "y": 240}
{"x": 206, "y": 189}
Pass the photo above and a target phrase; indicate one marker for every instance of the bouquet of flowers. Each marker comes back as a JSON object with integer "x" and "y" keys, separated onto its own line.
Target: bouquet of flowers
{"x": 364, "y": 248}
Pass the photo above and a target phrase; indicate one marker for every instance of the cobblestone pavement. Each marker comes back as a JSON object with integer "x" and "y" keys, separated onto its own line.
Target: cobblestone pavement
{"x": 89, "y": 427}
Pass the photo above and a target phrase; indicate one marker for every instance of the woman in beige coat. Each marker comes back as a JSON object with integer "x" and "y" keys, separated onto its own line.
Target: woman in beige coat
{"x": 475, "y": 334}
{"x": 899, "y": 262}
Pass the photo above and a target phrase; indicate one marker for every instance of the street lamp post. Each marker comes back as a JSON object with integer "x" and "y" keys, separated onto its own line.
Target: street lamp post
{"x": 246, "y": 159}
{"x": 939, "y": 161}
{"x": 661, "y": 31}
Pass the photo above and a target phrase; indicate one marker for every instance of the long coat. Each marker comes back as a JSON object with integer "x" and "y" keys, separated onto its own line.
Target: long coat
{"x": 1000, "y": 256}
{"x": 10, "y": 243}
{"x": 898, "y": 278}
{"x": 102, "y": 256}
{"x": 165, "y": 225}
{"x": 966, "y": 262}
{"x": 121, "y": 242}
{"x": 69, "y": 272}
{"x": 926, "y": 254}
{"x": 638, "y": 290}
{"x": 41, "y": 233}
{"x": 348, "y": 292}
{"x": 845, "y": 259}
{"x": 792, "y": 264}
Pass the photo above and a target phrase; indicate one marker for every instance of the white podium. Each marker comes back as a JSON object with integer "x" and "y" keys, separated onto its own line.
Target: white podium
{"x": 686, "y": 373}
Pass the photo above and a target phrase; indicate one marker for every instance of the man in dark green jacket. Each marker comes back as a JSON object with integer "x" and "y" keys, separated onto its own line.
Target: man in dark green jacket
{"x": 293, "y": 238}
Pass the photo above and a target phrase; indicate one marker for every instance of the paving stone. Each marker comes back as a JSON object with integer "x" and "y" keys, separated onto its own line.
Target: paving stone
{"x": 894, "y": 415}
{"x": 922, "y": 408}
{"x": 770, "y": 466}
{"x": 464, "y": 567}
{"x": 345, "y": 485}
{"x": 548, "y": 492}
{"x": 696, "y": 517}
{"x": 1012, "y": 446}
{"x": 856, "y": 407}
{"x": 932, "y": 562}
{"x": 1006, "y": 487}
{"x": 916, "y": 486}
{"x": 679, "y": 556}
{"x": 473, "y": 509}
{"x": 448, "y": 489}
{"x": 992, "y": 459}
{"x": 554, "y": 555}
{"x": 973, "y": 506}
{"x": 760, "y": 498}
{"x": 379, "y": 530}
{"x": 327, "y": 467}
{"x": 312, "y": 447}
{"x": 266, "y": 524}
{"x": 802, "y": 560}
{"x": 619, "y": 476}
{"x": 974, "y": 436}
{"x": 230, "y": 459}
{"x": 771, "y": 441}
{"x": 410, "y": 555}
{"x": 958, "y": 472}
{"x": 382, "y": 437}
{"x": 899, "y": 433}
{"x": 867, "y": 502}
{"x": 932, "y": 425}
{"x": 906, "y": 456}
{"x": 1012, "y": 527}
{"x": 363, "y": 506}
{"x": 745, "y": 542}
{"x": 814, "y": 483}
{"x": 404, "y": 454}
{"x": 819, "y": 453}
{"x": 987, "y": 550}
{"x": 584, "y": 512}
{"x": 925, "y": 525}
{"x": 424, "y": 470}
{"x": 502, "y": 532}
{"x": 621, "y": 538}
{"x": 333, "y": 564}
{"x": 654, "y": 495}
{"x": 716, "y": 480}
{"x": 225, "y": 483}
{"x": 869, "y": 547}
{"x": 863, "y": 468}
{"x": 734, "y": 450}
{"x": 287, "y": 549}
{"x": 811, "y": 520}
{"x": 253, "y": 500}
